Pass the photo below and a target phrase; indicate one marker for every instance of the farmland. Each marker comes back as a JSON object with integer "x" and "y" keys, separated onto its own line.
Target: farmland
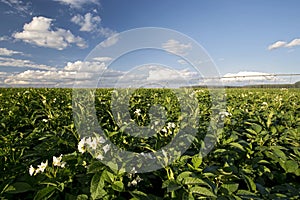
{"x": 257, "y": 154}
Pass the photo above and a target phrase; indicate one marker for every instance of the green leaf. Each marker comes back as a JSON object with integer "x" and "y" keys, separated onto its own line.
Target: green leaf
{"x": 269, "y": 120}
{"x": 183, "y": 175}
{"x": 263, "y": 162}
{"x": 196, "y": 160}
{"x": 231, "y": 187}
{"x": 96, "y": 188}
{"x": 95, "y": 166}
{"x": 257, "y": 128}
{"x": 171, "y": 185}
{"x": 138, "y": 194}
{"x": 194, "y": 181}
{"x": 82, "y": 197}
{"x": 250, "y": 183}
{"x": 291, "y": 166}
{"x": 202, "y": 191}
{"x": 18, "y": 187}
{"x": 246, "y": 194}
{"x": 107, "y": 176}
{"x": 251, "y": 131}
{"x": 278, "y": 152}
{"x": 45, "y": 193}
{"x": 118, "y": 186}
{"x": 297, "y": 172}
{"x": 237, "y": 145}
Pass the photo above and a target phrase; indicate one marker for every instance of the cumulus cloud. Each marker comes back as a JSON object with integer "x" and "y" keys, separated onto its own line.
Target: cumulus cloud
{"x": 74, "y": 74}
{"x": 95, "y": 73}
{"x": 87, "y": 23}
{"x": 12, "y": 62}
{"x": 176, "y": 47}
{"x": 40, "y": 32}
{"x": 18, "y": 5}
{"x": 90, "y": 23}
{"x": 77, "y": 3}
{"x": 94, "y": 67}
{"x": 8, "y": 52}
{"x": 281, "y": 44}
{"x": 40, "y": 78}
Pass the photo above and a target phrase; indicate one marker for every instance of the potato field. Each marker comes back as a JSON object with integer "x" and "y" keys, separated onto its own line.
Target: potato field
{"x": 256, "y": 154}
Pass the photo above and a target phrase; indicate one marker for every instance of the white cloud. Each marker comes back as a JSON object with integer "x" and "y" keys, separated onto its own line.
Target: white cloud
{"x": 277, "y": 45}
{"x": 89, "y": 74}
{"x": 176, "y": 47}
{"x": 163, "y": 74}
{"x": 12, "y": 62}
{"x": 110, "y": 41}
{"x": 87, "y": 23}
{"x": 247, "y": 76}
{"x": 40, "y": 78}
{"x": 280, "y": 44}
{"x": 8, "y": 52}
{"x": 182, "y": 62}
{"x": 106, "y": 32}
{"x": 39, "y": 32}
{"x": 19, "y": 5}
{"x": 293, "y": 43}
{"x": 79, "y": 73}
{"x": 90, "y": 23}
{"x": 157, "y": 76}
{"x": 93, "y": 67}
{"x": 102, "y": 59}
{"x": 4, "y": 38}
{"x": 78, "y": 3}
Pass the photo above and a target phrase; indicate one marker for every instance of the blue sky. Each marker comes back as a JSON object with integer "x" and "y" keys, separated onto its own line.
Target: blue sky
{"x": 44, "y": 42}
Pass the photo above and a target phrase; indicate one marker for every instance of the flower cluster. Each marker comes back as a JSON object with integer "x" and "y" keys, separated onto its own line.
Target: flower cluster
{"x": 225, "y": 114}
{"x": 137, "y": 112}
{"x": 170, "y": 126}
{"x": 41, "y": 168}
{"x": 136, "y": 178}
{"x": 57, "y": 161}
{"x": 91, "y": 142}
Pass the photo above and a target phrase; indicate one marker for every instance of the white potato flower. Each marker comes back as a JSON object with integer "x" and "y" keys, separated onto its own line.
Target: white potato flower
{"x": 171, "y": 125}
{"x": 81, "y": 146}
{"x": 101, "y": 140}
{"x": 31, "y": 170}
{"x": 100, "y": 157}
{"x": 106, "y": 148}
{"x": 57, "y": 161}
{"x": 92, "y": 142}
{"x": 41, "y": 167}
{"x": 137, "y": 112}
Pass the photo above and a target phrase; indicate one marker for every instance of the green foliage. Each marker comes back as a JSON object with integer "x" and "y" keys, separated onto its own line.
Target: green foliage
{"x": 257, "y": 155}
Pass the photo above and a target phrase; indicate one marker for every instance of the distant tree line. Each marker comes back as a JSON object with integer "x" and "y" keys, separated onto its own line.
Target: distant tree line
{"x": 295, "y": 85}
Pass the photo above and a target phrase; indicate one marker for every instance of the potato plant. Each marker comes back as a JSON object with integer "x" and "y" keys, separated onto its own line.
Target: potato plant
{"x": 257, "y": 154}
